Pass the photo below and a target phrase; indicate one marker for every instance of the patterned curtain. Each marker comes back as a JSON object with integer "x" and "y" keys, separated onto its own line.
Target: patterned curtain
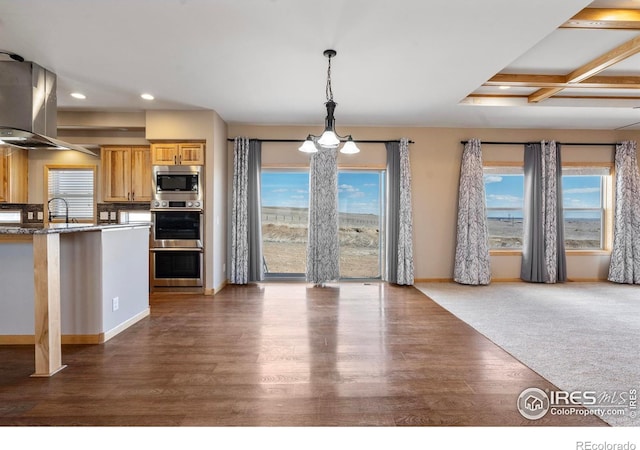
{"x": 399, "y": 239}
{"x": 625, "y": 257}
{"x": 543, "y": 253}
{"x": 246, "y": 240}
{"x": 323, "y": 254}
{"x": 472, "y": 241}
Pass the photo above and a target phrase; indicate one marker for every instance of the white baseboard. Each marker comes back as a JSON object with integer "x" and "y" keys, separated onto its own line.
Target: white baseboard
{"x": 104, "y": 337}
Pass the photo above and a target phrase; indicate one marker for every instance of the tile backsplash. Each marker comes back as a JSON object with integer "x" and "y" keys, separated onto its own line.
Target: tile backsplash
{"x": 31, "y": 212}
{"x": 109, "y": 212}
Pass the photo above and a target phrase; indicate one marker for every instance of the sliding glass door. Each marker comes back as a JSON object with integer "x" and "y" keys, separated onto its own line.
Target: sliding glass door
{"x": 285, "y": 217}
{"x": 361, "y": 219}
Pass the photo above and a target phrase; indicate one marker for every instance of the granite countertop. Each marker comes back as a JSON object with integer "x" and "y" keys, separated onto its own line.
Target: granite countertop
{"x": 30, "y": 228}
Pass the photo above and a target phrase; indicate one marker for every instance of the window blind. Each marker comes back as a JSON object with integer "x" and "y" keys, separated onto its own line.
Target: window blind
{"x": 76, "y": 187}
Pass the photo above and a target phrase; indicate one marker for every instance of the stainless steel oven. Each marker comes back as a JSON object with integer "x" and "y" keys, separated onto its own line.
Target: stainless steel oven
{"x": 176, "y": 246}
{"x": 176, "y": 267}
{"x": 177, "y": 226}
{"x": 177, "y": 230}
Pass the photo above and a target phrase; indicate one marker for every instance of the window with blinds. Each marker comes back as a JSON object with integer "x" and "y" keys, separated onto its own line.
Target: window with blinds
{"x": 75, "y": 186}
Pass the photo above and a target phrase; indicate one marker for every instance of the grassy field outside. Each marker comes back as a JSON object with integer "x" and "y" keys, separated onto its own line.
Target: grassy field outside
{"x": 579, "y": 234}
{"x": 284, "y": 236}
{"x": 284, "y": 240}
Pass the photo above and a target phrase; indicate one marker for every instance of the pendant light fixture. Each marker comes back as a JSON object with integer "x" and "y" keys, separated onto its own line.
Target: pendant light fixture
{"x": 329, "y": 138}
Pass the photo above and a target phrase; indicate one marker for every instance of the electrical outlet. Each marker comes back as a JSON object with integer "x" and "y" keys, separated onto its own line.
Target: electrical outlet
{"x": 104, "y": 215}
{"x": 40, "y": 215}
{"x": 30, "y": 215}
{"x": 115, "y": 303}
{"x": 112, "y": 215}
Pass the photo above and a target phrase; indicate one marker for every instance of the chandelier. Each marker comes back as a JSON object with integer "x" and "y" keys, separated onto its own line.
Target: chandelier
{"x": 329, "y": 138}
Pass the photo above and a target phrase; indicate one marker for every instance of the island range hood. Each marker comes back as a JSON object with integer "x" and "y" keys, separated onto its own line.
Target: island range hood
{"x": 28, "y": 108}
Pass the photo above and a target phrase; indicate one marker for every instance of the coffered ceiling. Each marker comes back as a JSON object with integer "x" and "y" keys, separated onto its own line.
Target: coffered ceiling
{"x": 399, "y": 62}
{"x": 591, "y": 61}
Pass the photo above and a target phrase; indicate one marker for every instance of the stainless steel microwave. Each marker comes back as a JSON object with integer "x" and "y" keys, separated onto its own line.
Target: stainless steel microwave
{"x": 177, "y": 183}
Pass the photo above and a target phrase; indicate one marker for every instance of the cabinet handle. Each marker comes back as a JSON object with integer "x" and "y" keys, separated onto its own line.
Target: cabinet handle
{"x": 128, "y": 195}
{"x": 133, "y": 196}
{"x": 175, "y": 159}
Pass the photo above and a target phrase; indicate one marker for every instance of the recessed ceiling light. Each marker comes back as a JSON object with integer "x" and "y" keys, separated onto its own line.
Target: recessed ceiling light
{"x": 504, "y": 87}
{"x": 78, "y": 95}
{"x": 147, "y": 96}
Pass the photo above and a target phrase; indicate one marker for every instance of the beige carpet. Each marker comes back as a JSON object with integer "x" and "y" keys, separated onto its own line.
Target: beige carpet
{"x": 579, "y": 336}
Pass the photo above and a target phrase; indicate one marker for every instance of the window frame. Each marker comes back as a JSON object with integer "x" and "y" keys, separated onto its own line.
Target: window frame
{"x": 291, "y": 168}
{"x": 607, "y": 202}
{"x": 48, "y": 168}
{"x": 381, "y": 169}
{"x": 511, "y": 165}
{"x": 381, "y": 172}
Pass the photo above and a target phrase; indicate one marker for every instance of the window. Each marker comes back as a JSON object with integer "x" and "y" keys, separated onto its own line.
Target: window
{"x": 76, "y": 187}
{"x": 586, "y": 192}
{"x": 285, "y": 217}
{"x": 584, "y": 198}
{"x": 7, "y": 216}
{"x": 504, "y": 191}
{"x": 360, "y": 206}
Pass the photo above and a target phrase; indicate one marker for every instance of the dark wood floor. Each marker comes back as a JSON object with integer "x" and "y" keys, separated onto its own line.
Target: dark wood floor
{"x": 280, "y": 354}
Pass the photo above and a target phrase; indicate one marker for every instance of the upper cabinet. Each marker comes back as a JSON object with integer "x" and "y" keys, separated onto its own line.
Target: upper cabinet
{"x": 177, "y": 154}
{"x": 14, "y": 165}
{"x": 126, "y": 174}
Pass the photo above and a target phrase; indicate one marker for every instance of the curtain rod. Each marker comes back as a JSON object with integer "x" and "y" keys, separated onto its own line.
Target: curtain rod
{"x": 537, "y": 142}
{"x": 302, "y": 140}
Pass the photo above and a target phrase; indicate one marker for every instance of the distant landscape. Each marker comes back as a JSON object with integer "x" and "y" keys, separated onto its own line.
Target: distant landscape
{"x": 506, "y": 233}
{"x": 284, "y": 237}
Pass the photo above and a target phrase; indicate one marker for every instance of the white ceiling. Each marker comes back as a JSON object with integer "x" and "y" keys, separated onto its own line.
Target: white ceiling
{"x": 399, "y": 62}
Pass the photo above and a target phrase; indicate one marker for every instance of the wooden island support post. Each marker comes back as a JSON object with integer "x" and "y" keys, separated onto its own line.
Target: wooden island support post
{"x": 46, "y": 272}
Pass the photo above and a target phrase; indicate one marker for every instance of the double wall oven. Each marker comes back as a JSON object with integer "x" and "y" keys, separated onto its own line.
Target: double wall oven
{"x": 178, "y": 226}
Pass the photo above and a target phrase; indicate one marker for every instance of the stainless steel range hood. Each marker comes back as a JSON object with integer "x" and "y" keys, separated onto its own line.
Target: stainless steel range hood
{"x": 28, "y": 108}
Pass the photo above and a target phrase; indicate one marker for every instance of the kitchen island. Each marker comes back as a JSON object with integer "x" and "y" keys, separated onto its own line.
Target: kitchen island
{"x": 71, "y": 283}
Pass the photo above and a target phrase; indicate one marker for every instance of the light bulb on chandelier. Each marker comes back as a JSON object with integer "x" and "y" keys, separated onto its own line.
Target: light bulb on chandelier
{"x": 329, "y": 138}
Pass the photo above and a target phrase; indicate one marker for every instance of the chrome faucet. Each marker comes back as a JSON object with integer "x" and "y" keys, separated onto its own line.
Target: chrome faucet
{"x": 66, "y": 208}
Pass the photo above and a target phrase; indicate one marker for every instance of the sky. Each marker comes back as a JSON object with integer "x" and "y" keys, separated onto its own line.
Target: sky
{"x": 507, "y": 191}
{"x": 358, "y": 192}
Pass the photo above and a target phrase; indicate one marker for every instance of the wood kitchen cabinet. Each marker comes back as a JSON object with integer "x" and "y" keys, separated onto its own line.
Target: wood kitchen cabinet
{"x": 126, "y": 173}
{"x": 177, "y": 154}
{"x": 14, "y": 165}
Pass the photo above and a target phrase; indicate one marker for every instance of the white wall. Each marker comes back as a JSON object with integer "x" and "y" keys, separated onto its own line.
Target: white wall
{"x": 125, "y": 274}
{"x": 220, "y": 181}
{"x": 17, "y": 291}
{"x": 81, "y": 277}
